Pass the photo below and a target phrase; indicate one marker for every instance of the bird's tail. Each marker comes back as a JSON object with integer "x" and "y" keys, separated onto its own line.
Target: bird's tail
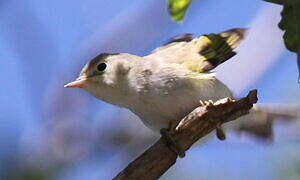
{"x": 218, "y": 48}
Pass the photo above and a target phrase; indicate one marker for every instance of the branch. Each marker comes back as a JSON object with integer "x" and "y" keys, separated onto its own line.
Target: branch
{"x": 155, "y": 161}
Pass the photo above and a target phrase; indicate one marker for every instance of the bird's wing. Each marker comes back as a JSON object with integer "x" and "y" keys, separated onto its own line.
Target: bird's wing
{"x": 203, "y": 53}
{"x": 173, "y": 41}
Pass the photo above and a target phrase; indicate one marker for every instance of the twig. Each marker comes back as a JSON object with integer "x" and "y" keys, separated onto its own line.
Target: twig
{"x": 155, "y": 161}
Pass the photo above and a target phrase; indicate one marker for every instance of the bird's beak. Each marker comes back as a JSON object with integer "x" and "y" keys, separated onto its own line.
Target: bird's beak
{"x": 77, "y": 83}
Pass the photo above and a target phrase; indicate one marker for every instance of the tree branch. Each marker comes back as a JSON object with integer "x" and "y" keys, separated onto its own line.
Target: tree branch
{"x": 155, "y": 161}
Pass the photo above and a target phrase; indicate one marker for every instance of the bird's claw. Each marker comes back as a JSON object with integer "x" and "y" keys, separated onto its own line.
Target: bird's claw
{"x": 206, "y": 103}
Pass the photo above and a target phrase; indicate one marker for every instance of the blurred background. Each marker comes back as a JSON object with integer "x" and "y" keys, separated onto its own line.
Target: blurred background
{"x": 49, "y": 132}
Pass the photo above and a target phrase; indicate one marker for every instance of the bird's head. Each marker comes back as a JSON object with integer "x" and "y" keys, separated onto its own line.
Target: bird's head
{"x": 105, "y": 76}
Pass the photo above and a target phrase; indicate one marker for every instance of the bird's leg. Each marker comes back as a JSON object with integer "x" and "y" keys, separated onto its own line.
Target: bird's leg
{"x": 220, "y": 133}
{"x": 168, "y": 140}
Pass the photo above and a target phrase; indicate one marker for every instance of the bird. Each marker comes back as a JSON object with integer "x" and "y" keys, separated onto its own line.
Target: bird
{"x": 170, "y": 82}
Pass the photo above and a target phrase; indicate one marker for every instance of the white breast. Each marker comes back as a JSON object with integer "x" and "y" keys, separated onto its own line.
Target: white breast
{"x": 168, "y": 92}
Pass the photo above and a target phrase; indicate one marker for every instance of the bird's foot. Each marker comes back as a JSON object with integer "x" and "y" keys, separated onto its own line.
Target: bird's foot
{"x": 206, "y": 103}
{"x": 168, "y": 140}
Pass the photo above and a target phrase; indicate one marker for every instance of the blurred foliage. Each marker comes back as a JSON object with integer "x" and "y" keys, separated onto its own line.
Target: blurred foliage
{"x": 178, "y": 8}
{"x": 290, "y": 23}
{"x": 28, "y": 174}
{"x": 42, "y": 170}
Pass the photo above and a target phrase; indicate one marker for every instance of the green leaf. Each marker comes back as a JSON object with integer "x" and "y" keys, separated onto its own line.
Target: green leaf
{"x": 283, "y": 2}
{"x": 298, "y": 62}
{"x": 276, "y": 1}
{"x": 290, "y": 23}
{"x": 178, "y": 8}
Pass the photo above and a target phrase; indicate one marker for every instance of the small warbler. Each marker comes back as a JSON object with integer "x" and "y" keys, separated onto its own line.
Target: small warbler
{"x": 167, "y": 84}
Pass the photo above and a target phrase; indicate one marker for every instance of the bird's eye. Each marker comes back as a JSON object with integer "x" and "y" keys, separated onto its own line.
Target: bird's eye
{"x": 101, "y": 67}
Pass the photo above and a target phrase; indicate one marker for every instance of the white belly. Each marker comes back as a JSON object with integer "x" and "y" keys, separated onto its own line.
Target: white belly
{"x": 156, "y": 111}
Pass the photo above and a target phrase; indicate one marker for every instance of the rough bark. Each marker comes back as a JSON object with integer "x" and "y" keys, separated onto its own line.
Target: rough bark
{"x": 155, "y": 161}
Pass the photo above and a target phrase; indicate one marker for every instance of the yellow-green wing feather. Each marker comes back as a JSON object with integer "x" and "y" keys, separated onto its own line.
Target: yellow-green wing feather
{"x": 201, "y": 54}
